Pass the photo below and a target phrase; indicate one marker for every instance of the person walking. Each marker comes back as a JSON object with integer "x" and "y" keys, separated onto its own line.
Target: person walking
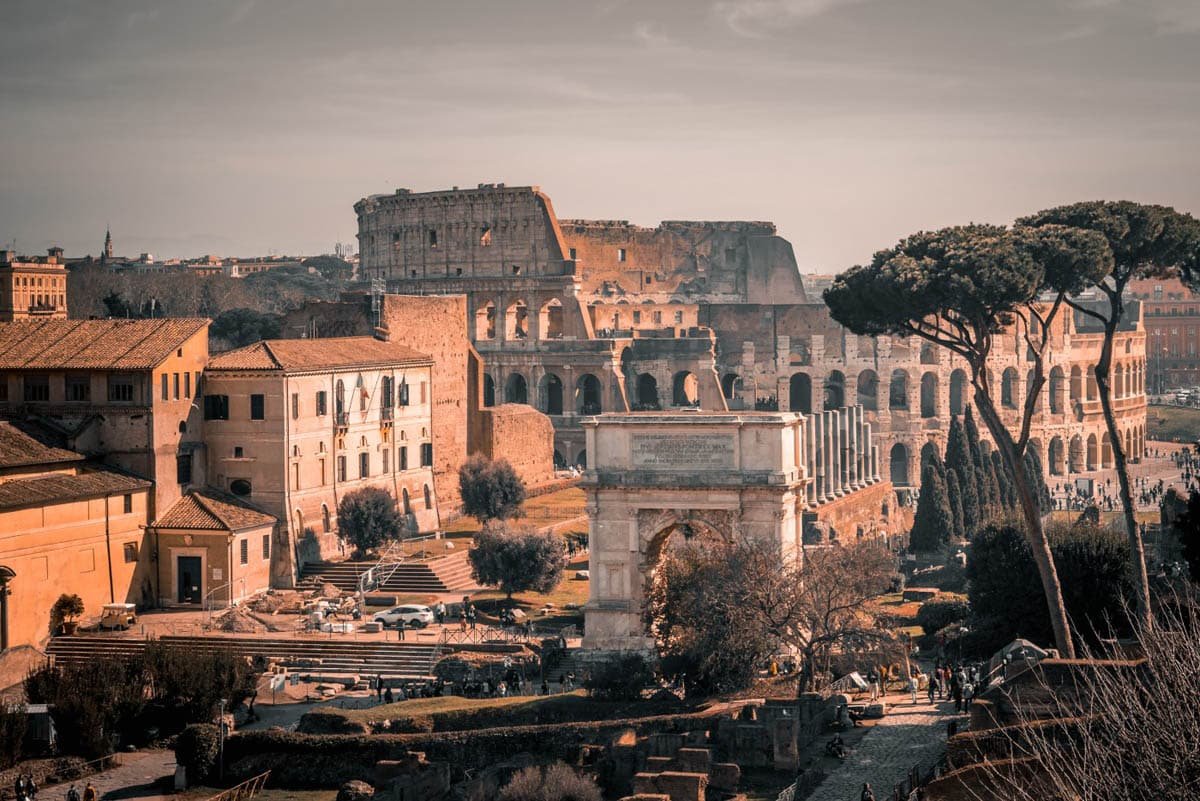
{"x": 866, "y": 795}
{"x": 89, "y": 792}
{"x": 72, "y": 793}
{"x": 378, "y": 689}
{"x": 912, "y": 687}
{"x": 873, "y": 679}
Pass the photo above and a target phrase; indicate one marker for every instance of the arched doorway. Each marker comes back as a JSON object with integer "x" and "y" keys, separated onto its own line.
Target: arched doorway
{"x": 1077, "y": 455}
{"x": 550, "y": 319}
{"x": 516, "y": 321}
{"x": 684, "y": 389}
{"x": 1008, "y": 388}
{"x": 485, "y": 321}
{"x": 929, "y": 392}
{"x": 731, "y": 385}
{"x": 1093, "y": 452}
{"x": 898, "y": 465}
{"x": 800, "y": 393}
{"x": 835, "y": 390}
{"x": 552, "y": 394}
{"x": 587, "y": 395}
{"x": 1057, "y": 390}
{"x": 958, "y": 392}
{"x": 516, "y": 390}
{"x": 898, "y": 391}
{"x": 489, "y": 390}
{"x": 868, "y": 390}
{"x": 647, "y": 393}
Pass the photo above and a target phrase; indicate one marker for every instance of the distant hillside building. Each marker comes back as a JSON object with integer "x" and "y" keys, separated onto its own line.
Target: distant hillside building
{"x": 32, "y": 287}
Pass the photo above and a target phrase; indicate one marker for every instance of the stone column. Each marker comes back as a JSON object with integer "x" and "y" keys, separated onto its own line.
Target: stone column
{"x": 853, "y": 415}
{"x": 810, "y": 457}
{"x": 819, "y": 450}
{"x": 835, "y": 451}
{"x": 875, "y": 463}
{"x": 868, "y": 475}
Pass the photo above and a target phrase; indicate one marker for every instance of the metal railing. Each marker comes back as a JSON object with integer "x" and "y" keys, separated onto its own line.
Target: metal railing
{"x": 244, "y": 791}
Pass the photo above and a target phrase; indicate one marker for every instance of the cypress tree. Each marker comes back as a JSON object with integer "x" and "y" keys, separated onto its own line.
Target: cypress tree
{"x": 933, "y": 523}
{"x": 982, "y": 469}
{"x": 1006, "y": 487}
{"x": 958, "y": 460}
{"x": 954, "y": 492}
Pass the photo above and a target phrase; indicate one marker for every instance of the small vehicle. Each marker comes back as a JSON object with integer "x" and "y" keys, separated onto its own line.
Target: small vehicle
{"x": 413, "y": 615}
{"x": 118, "y": 616}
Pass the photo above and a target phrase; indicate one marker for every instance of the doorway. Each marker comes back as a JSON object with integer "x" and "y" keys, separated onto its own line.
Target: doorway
{"x": 190, "y": 580}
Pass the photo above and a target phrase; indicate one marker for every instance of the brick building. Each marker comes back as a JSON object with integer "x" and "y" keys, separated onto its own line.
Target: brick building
{"x": 1172, "y": 321}
{"x": 32, "y": 287}
{"x": 292, "y": 425}
{"x": 576, "y": 317}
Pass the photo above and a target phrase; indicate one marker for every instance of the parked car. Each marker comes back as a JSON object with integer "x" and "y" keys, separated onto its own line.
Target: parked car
{"x": 118, "y": 616}
{"x": 413, "y": 615}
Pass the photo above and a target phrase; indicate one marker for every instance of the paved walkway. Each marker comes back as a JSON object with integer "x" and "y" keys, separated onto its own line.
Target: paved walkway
{"x": 908, "y": 735}
{"x": 141, "y": 775}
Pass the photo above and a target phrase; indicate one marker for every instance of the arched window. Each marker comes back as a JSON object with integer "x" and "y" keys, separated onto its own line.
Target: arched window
{"x": 929, "y": 392}
{"x": 428, "y": 497}
{"x": 684, "y": 389}
{"x": 552, "y": 394}
{"x": 550, "y": 319}
{"x": 485, "y": 321}
{"x": 868, "y": 390}
{"x": 898, "y": 465}
{"x": 587, "y": 395}
{"x": 647, "y": 392}
{"x": 339, "y": 397}
{"x": 1057, "y": 390}
{"x": 404, "y": 500}
{"x": 489, "y": 391}
{"x": 516, "y": 390}
{"x": 958, "y": 392}
{"x": 325, "y": 524}
{"x": 731, "y": 385}
{"x": 240, "y": 487}
{"x": 835, "y": 390}
{"x": 1008, "y": 388}
{"x": 800, "y": 393}
{"x": 898, "y": 391}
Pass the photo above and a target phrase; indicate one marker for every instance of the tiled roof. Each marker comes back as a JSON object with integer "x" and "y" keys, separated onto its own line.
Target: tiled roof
{"x": 19, "y": 449}
{"x": 59, "y": 488}
{"x": 93, "y": 344}
{"x": 316, "y": 354}
{"x": 206, "y": 511}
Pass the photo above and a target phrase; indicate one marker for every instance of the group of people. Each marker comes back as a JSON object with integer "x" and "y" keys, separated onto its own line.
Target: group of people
{"x": 957, "y": 682}
{"x": 26, "y": 789}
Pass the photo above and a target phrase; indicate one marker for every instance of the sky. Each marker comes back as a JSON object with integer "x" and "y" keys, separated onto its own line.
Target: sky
{"x": 242, "y": 127}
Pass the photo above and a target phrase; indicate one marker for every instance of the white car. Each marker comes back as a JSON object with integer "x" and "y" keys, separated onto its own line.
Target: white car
{"x": 413, "y": 615}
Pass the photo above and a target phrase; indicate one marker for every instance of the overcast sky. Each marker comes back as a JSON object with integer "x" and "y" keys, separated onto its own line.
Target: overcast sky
{"x": 237, "y": 127}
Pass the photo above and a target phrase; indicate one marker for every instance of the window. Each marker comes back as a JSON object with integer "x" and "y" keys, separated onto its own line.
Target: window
{"x": 321, "y": 408}
{"x": 165, "y": 392}
{"x": 131, "y": 552}
{"x": 238, "y": 452}
{"x": 295, "y": 405}
{"x": 240, "y": 486}
{"x": 37, "y": 388}
{"x": 216, "y": 407}
{"x": 120, "y": 389}
{"x": 79, "y": 388}
{"x": 321, "y": 465}
{"x": 266, "y": 552}
{"x": 187, "y": 385}
{"x": 573, "y": 256}
{"x": 364, "y": 465}
{"x": 637, "y": 316}
{"x": 658, "y": 318}
{"x": 485, "y": 236}
{"x": 678, "y": 317}
{"x": 422, "y": 392}
{"x": 387, "y": 393}
{"x": 197, "y": 382}
{"x": 325, "y": 518}
{"x": 403, "y": 393}
{"x": 432, "y": 238}
{"x": 296, "y": 476}
{"x": 257, "y": 410}
{"x": 127, "y": 504}
{"x": 175, "y": 381}
{"x": 649, "y": 280}
{"x": 244, "y": 551}
{"x": 183, "y": 468}
{"x": 404, "y": 457}
{"x": 386, "y": 461}
{"x": 341, "y": 468}
{"x": 620, "y": 254}
{"x": 427, "y": 454}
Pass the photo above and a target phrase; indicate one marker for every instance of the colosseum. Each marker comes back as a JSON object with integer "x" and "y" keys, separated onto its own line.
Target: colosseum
{"x": 578, "y": 317}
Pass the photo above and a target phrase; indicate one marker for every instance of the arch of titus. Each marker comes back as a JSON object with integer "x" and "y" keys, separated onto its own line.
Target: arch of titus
{"x": 760, "y": 475}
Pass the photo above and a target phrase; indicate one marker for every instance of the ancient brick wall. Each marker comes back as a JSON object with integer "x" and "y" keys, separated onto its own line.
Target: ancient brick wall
{"x": 520, "y": 434}
{"x": 872, "y": 511}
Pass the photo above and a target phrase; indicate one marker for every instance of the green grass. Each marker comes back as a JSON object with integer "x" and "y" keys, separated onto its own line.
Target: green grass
{"x": 1172, "y": 423}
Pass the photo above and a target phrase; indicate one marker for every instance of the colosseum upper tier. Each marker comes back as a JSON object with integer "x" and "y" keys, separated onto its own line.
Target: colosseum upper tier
{"x": 584, "y": 316}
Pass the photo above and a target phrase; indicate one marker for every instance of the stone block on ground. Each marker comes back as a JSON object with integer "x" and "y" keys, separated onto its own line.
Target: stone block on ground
{"x": 355, "y": 791}
{"x": 693, "y": 760}
{"x": 725, "y": 776}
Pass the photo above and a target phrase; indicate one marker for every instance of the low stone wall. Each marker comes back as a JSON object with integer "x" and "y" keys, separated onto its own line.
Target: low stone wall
{"x": 522, "y": 435}
{"x": 872, "y": 510}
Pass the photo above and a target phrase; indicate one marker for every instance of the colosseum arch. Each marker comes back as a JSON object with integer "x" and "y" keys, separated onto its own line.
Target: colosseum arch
{"x": 1008, "y": 388}
{"x": 835, "y": 390}
{"x": 731, "y": 385}
{"x": 800, "y": 393}
{"x": 1093, "y": 452}
{"x": 898, "y": 390}
{"x": 489, "y": 390}
{"x": 1118, "y": 382}
{"x": 1076, "y": 383}
{"x": 929, "y": 394}
{"x": 1057, "y": 390}
{"x": 516, "y": 321}
{"x": 588, "y": 394}
{"x": 898, "y": 465}
{"x": 868, "y": 390}
{"x": 1090, "y": 391}
{"x": 685, "y": 389}
{"x": 485, "y": 321}
{"x": 647, "y": 392}
{"x": 1038, "y": 404}
{"x": 516, "y": 389}
{"x": 1077, "y": 455}
{"x": 550, "y": 319}
{"x": 958, "y": 391}
{"x": 1106, "y": 451}
{"x": 550, "y": 390}
{"x": 1056, "y": 464}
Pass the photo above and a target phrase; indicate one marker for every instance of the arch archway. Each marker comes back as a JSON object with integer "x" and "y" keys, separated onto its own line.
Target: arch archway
{"x": 581, "y": 458}
{"x": 929, "y": 453}
{"x": 685, "y": 389}
{"x": 485, "y": 321}
{"x": 929, "y": 393}
{"x": 552, "y": 394}
{"x": 550, "y": 319}
{"x": 868, "y": 390}
{"x": 1118, "y": 382}
{"x": 1090, "y": 391}
{"x": 731, "y": 385}
{"x": 1008, "y": 388}
{"x": 1077, "y": 455}
{"x": 1056, "y": 462}
{"x": 1076, "y": 383}
{"x": 489, "y": 390}
{"x": 516, "y": 390}
{"x": 516, "y": 321}
{"x": 958, "y": 391}
{"x": 587, "y": 395}
{"x": 835, "y": 390}
{"x": 898, "y": 465}
{"x": 1106, "y": 451}
{"x": 800, "y": 393}
{"x": 1093, "y": 452}
{"x": 647, "y": 392}
{"x": 898, "y": 391}
{"x": 1057, "y": 390}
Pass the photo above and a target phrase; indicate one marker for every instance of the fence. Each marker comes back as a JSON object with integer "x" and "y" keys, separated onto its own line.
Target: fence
{"x": 244, "y": 791}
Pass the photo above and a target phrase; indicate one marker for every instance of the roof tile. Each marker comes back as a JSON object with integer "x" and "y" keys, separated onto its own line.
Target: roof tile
{"x": 59, "y": 488}
{"x": 93, "y": 344}
{"x": 202, "y": 510}
{"x": 298, "y": 355}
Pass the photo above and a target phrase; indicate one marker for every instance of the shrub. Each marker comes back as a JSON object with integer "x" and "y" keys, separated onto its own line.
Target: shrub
{"x": 554, "y": 783}
{"x": 517, "y": 560}
{"x": 12, "y": 734}
{"x": 490, "y": 490}
{"x": 196, "y": 748}
{"x": 368, "y": 517}
{"x": 620, "y": 678}
{"x": 935, "y": 615}
{"x": 66, "y": 608}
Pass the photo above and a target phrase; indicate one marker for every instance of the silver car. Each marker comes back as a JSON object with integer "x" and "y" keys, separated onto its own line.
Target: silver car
{"x": 413, "y": 615}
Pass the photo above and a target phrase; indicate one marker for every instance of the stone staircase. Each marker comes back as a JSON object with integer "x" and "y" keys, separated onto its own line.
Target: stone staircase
{"x": 365, "y": 657}
{"x": 437, "y": 575}
{"x": 569, "y": 664}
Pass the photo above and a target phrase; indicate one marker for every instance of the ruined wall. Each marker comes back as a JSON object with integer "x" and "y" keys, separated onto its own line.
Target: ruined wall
{"x": 520, "y": 434}
{"x": 865, "y": 513}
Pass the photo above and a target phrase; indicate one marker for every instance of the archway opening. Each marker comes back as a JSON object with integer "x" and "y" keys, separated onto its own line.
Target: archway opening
{"x": 929, "y": 391}
{"x": 1008, "y": 388}
{"x": 898, "y": 465}
{"x": 898, "y": 391}
{"x": 800, "y": 393}
{"x": 958, "y": 392}
{"x": 685, "y": 389}
{"x": 835, "y": 390}
{"x": 552, "y": 394}
{"x": 485, "y": 321}
{"x": 1057, "y": 390}
{"x": 516, "y": 390}
{"x": 647, "y": 393}
{"x": 1056, "y": 460}
{"x": 868, "y": 390}
{"x": 489, "y": 390}
{"x": 587, "y": 395}
{"x": 731, "y": 385}
{"x": 516, "y": 321}
{"x": 550, "y": 319}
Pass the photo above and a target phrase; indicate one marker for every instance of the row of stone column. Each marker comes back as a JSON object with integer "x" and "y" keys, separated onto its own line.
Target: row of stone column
{"x": 840, "y": 454}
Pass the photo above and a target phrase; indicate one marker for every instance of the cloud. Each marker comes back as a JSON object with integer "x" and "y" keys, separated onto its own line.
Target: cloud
{"x": 757, "y": 17}
{"x": 648, "y": 34}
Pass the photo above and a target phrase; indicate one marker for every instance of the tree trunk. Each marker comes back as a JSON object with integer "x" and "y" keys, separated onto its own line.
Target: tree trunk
{"x": 1137, "y": 549}
{"x": 1034, "y": 530}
